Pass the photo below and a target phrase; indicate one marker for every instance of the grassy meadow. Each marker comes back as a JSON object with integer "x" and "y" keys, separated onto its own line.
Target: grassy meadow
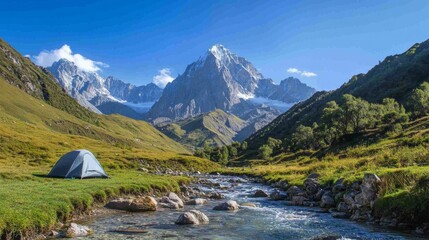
{"x": 34, "y": 135}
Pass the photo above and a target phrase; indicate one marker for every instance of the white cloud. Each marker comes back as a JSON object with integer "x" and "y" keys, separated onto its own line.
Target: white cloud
{"x": 302, "y": 73}
{"x": 293, "y": 70}
{"x": 308, "y": 74}
{"x": 163, "y": 77}
{"x": 46, "y": 58}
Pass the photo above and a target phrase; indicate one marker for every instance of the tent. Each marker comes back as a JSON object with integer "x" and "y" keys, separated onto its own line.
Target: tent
{"x": 78, "y": 164}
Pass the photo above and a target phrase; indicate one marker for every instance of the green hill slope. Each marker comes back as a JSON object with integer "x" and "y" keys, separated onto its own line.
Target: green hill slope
{"x": 218, "y": 128}
{"x": 395, "y": 77}
{"x": 39, "y": 123}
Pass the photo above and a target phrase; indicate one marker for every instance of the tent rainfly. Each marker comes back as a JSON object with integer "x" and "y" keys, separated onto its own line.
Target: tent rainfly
{"x": 78, "y": 164}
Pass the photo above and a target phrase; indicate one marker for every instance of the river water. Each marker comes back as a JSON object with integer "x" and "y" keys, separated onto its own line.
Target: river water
{"x": 270, "y": 220}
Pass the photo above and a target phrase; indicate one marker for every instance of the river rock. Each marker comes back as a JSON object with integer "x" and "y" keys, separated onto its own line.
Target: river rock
{"x": 369, "y": 189}
{"x": 349, "y": 199}
{"x": 252, "y": 205}
{"x": 311, "y": 186}
{"x": 215, "y": 195}
{"x": 362, "y": 215}
{"x": 339, "y": 186}
{"x": 327, "y": 201}
{"x": 166, "y": 202}
{"x": 319, "y": 195}
{"x": 76, "y": 230}
{"x": 276, "y": 195}
{"x": 298, "y": 200}
{"x": 295, "y": 191}
{"x": 342, "y": 207}
{"x": 140, "y": 204}
{"x": 196, "y": 201}
{"x": 227, "y": 206}
{"x": 280, "y": 184}
{"x": 173, "y": 197}
{"x": 260, "y": 193}
{"x": 192, "y": 217}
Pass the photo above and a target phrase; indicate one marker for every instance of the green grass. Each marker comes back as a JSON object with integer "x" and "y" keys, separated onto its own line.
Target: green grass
{"x": 36, "y": 204}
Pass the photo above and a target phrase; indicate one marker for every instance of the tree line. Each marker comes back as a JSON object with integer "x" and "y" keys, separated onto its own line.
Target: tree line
{"x": 352, "y": 115}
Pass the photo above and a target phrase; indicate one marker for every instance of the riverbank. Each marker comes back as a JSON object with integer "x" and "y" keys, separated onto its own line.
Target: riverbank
{"x": 33, "y": 206}
{"x": 397, "y": 199}
{"x": 258, "y": 217}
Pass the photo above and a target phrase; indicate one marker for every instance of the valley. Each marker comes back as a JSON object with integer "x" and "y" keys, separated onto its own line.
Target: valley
{"x": 156, "y": 130}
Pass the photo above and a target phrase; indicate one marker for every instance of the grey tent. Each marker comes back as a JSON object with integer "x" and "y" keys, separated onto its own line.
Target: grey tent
{"x": 78, "y": 164}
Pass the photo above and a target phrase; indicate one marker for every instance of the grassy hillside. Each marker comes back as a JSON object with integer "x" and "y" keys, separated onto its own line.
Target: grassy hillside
{"x": 400, "y": 159}
{"x": 39, "y": 123}
{"x": 395, "y": 77}
{"x": 218, "y": 128}
{"x": 19, "y": 71}
{"x": 33, "y": 135}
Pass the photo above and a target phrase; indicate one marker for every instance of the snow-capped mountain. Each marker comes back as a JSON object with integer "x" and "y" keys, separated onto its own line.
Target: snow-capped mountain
{"x": 102, "y": 95}
{"x": 220, "y": 80}
{"x": 81, "y": 85}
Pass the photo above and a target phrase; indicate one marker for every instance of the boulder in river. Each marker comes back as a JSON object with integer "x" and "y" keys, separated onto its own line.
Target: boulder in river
{"x": 194, "y": 217}
{"x": 260, "y": 193}
{"x": 166, "y": 202}
{"x": 196, "y": 201}
{"x": 298, "y": 200}
{"x": 76, "y": 230}
{"x": 369, "y": 189}
{"x": 327, "y": 201}
{"x": 276, "y": 195}
{"x": 342, "y": 207}
{"x": 215, "y": 195}
{"x": 227, "y": 206}
{"x": 295, "y": 191}
{"x": 311, "y": 186}
{"x": 172, "y": 196}
{"x": 139, "y": 204}
{"x": 251, "y": 205}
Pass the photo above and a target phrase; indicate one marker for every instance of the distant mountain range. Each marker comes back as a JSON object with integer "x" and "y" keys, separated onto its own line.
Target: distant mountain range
{"x": 219, "y": 80}
{"x": 104, "y": 95}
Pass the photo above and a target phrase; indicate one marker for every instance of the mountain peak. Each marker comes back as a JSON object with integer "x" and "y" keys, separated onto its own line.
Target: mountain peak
{"x": 219, "y": 51}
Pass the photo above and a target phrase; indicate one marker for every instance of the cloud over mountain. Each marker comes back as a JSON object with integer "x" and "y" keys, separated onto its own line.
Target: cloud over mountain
{"x": 47, "y": 57}
{"x": 301, "y": 73}
{"x": 163, "y": 77}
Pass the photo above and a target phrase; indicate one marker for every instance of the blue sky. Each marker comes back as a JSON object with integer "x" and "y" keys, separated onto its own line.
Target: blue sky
{"x": 333, "y": 39}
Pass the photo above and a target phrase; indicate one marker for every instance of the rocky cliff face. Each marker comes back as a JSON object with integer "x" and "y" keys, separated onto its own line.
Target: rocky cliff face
{"x": 81, "y": 85}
